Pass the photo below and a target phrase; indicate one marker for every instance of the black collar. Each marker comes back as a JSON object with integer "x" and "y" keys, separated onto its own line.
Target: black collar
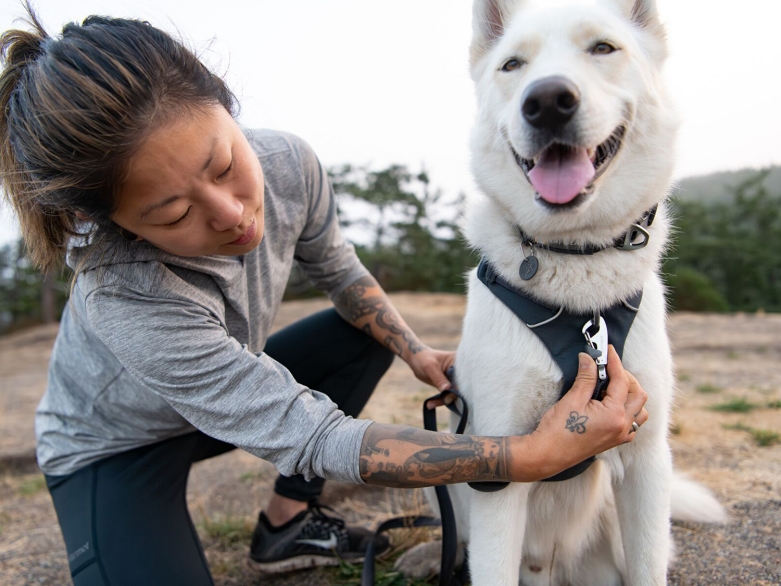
{"x": 633, "y": 239}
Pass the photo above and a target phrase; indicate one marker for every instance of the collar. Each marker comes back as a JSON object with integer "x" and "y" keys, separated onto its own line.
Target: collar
{"x": 635, "y": 238}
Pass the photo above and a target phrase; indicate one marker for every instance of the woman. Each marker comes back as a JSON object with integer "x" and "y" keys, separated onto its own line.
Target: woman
{"x": 119, "y": 146}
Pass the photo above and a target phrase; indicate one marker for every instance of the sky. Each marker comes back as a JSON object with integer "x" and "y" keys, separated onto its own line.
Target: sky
{"x": 380, "y": 82}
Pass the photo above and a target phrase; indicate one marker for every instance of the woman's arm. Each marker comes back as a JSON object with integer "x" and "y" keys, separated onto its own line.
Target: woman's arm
{"x": 399, "y": 456}
{"x": 366, "y": 306}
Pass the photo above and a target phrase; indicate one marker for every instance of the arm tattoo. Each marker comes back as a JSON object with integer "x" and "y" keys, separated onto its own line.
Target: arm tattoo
{"x": 356, "y": 303}
{"x": 407, "y": 457}
{"x": 576, "y": 422}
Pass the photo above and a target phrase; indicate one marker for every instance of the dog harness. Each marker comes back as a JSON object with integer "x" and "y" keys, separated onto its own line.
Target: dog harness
{"x": 563, "y": 334}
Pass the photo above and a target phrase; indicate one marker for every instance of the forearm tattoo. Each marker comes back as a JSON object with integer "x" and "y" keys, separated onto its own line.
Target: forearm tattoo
{"x": 407, "y": 457}
{"x": 365, "y": 300}
{"x": 576, "y": 422}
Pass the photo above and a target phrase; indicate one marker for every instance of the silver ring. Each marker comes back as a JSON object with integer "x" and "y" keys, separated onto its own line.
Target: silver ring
{"x": 635, "y": 427}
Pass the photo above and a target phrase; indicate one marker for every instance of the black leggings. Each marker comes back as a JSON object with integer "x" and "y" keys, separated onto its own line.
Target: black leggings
{"x": 125, "y": 519}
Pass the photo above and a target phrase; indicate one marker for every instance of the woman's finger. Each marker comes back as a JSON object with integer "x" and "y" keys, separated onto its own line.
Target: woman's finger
{"x": 618, "y": 387}
{"x": 641, "y": 417}
{"x": 636, "y": 395}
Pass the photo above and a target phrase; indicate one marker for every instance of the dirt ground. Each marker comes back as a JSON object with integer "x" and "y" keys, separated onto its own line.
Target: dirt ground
{"x": 730, "y": 361}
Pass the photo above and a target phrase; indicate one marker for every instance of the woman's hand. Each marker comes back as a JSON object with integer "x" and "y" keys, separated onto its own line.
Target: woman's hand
{"x": 578, "y": 427}
{"x": 430, "y": 366}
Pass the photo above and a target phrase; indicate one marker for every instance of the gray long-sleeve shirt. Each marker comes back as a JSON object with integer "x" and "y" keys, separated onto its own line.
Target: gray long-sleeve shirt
{"x": 154, "y": 345}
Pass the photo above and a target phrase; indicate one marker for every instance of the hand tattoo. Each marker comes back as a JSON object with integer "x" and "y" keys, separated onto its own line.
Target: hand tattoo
{"x": 406, "y": 457}
{"x": 356, "y": 303}
{"x": 576, "y": 422}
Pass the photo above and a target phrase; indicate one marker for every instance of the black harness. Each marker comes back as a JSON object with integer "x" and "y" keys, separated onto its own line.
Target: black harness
{"x": 562, "y": 333}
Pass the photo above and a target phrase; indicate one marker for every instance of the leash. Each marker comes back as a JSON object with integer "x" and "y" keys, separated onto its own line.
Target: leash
{"x": 447, "y": 519}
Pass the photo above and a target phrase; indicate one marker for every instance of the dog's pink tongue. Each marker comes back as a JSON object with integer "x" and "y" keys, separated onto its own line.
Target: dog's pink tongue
{"x": 560, "y": 175}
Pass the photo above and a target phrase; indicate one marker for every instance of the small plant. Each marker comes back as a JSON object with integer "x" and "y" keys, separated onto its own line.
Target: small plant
{"x": 228, "y": 530}
{"x": 684, "y": 378}
{"x": 735, "y": 406}
{"x": 774, "y": 405}
{"x": 737, "y": 427}
{"x": 762, "y": 437}
{"x": 708, "y": 389}
{"x": 350, "y": 574}
{"x": 32, "y": 486}
{"x": 765, "y": 437}
{"x": 732, "y": 355}
{"x": 250, "y": 476}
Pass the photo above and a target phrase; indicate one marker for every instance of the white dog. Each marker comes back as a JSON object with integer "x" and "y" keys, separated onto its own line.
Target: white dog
{"x": 573, "y": 145}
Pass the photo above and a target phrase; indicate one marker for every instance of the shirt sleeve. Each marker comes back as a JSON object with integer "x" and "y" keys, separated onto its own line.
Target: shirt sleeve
{"x": 180, "y": 351}
{"x": 324, "y": 255}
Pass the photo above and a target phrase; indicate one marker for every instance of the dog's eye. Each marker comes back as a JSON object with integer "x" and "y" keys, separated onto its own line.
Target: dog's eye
{"x": 603, "y": 48}
{"x": 512, "y": 65}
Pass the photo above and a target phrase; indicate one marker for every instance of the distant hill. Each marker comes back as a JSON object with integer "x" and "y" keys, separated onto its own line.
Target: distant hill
{"x": 720, "y": 186}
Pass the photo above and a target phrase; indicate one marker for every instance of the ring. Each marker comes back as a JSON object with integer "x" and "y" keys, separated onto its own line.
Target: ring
{"x": 635, "y": 427}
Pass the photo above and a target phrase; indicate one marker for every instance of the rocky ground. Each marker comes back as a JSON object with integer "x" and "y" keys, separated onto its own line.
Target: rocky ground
{"x": 725, "y": 362}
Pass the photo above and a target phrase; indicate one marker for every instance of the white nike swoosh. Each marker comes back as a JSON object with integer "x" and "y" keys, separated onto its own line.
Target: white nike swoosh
{"x": 329, "y": 543}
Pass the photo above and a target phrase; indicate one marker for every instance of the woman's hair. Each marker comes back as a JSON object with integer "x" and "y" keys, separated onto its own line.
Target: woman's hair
{"x": 73, "y": 110}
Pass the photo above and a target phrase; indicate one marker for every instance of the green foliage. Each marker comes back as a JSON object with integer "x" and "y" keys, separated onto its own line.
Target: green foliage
{"x": 727, "y": 254}
{"x": 32, "y": 486}
{"x": 414, "y": 241}
{"x": 690, "y": 290}
{"x": 735, "y": 406}
{"x": 228, "y": 530}
{"x": 350, "y": 574}
{"x": 762, "y": 437}
{"x": 708, "y": 388}
{"x": 22, "y": 290}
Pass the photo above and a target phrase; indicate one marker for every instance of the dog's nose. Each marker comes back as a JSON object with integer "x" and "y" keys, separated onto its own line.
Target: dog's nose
{"x": 550, "y": 102}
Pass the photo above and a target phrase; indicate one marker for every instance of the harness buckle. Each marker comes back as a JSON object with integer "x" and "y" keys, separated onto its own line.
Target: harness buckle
{"x": 596, "y": 343}
{"x": 630, "y": 238}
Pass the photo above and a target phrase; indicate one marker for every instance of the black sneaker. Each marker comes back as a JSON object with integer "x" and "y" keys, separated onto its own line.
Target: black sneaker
{"x": 310, "y": 539}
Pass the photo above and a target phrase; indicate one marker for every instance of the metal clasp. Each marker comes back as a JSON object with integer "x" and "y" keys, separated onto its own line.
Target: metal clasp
{"x": 630, "y": 238}
{"x": 596, "y": 339}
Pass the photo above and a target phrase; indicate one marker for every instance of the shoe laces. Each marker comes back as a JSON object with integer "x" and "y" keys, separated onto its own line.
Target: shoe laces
{"x": 326, "y": 522}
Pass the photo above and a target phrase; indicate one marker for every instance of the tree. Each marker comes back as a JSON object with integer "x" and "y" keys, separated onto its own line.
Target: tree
{"x": 411, "y": 249}
{"x": 26, "y": 297}
{"x": 735, "y": 245}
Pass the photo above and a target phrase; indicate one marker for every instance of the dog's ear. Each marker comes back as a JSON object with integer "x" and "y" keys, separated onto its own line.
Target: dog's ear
{"x": 643, "y": 13}
{"x": 488, "y": 20}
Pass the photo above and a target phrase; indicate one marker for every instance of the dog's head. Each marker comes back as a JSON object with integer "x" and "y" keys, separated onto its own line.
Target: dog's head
{"x": 574, "y": 132}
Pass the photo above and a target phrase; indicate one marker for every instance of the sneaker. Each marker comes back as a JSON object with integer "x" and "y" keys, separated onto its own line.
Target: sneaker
{"x": 310, "y": 539}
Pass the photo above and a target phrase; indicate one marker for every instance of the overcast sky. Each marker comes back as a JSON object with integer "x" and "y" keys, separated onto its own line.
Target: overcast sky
{"x": 379, "y": 82}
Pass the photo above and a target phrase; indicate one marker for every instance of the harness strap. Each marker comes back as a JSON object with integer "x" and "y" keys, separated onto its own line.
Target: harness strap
{"x": 560, "y": 331}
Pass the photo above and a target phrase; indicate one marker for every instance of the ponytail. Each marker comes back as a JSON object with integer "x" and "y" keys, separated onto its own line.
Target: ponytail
{"x": 45, "y": 230}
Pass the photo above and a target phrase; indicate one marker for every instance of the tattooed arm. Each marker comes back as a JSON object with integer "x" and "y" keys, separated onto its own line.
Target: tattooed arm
{"x": 407, "y": 457}
{"x": 365, "y": 305}
{"x": 574, "y": 429}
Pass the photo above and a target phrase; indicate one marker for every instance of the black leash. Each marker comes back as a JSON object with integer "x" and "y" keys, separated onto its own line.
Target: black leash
{"x": 447, "y": 518}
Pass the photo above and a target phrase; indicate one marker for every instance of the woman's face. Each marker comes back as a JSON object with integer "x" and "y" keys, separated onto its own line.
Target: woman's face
{"x": 195, "y": 187}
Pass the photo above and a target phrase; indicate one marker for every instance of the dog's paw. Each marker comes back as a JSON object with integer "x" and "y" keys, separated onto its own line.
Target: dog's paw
{"x": 423, "y": 560}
